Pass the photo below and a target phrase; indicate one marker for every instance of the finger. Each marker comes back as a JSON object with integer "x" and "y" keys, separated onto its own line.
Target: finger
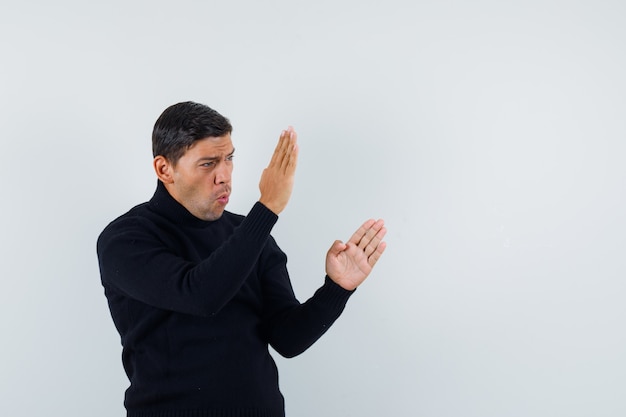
{"x": 375, "y": 256}
{"x": 293, "y": 160}
{"x": 277, "y": 155}
{"x": 290, "y": 151}
{"x": 375, "y": 242}
{"x": 280, "y": 156}
{"x": 371, "y": 233}
{"x": 282, "y": 149}
{"x": 361, "y": 231}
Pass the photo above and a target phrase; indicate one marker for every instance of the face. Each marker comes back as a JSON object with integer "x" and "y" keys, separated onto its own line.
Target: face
{"x": 201, "y": 179}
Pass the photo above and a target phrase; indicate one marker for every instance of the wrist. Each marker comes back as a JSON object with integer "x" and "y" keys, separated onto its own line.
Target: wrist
{"x": 345, "y": 284}
{"x": 339, "y": 285}
{"x": 272, "y": 207}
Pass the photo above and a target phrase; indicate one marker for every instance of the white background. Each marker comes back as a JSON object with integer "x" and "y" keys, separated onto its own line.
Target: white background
{"x": 490, "y": 135}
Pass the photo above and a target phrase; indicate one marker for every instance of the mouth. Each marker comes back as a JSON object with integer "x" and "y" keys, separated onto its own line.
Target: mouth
{"x": 223, "y": 198}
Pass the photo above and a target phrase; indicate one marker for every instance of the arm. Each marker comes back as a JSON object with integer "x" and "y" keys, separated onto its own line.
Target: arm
{"x": 136, "y": 261}
{"x": 289, "y": 326}
{"x": 292, "y": 327}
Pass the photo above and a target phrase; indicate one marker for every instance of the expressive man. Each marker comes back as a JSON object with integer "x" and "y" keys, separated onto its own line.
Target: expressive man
{"x": 198, "y": 293}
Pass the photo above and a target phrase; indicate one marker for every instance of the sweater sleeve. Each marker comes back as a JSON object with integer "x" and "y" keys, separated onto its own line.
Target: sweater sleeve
{"x": 134, "y": 261}
{"x": 292, "y": 327}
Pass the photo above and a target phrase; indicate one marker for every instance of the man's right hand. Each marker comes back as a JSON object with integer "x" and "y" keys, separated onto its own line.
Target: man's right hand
{"x": 277, "y": 180}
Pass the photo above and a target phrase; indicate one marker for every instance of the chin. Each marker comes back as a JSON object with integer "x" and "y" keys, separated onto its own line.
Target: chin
{"x": 213, "y": 215}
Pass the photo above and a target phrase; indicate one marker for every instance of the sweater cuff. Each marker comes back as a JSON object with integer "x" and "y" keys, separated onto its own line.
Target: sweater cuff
{"x": 334, "y": 295}
{"x": 259, "y": 222}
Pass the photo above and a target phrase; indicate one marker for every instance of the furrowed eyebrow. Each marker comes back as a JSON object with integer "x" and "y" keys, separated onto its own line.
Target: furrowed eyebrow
{"x": 214, "y": 158}
{"x": 208, "y": 158}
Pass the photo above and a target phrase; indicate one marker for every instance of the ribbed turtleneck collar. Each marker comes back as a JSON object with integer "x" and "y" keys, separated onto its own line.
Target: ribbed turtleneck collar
{"x": 163, "y": 203}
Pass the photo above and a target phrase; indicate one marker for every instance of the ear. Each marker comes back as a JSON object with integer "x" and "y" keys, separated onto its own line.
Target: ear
{"x": 163, "y": 169}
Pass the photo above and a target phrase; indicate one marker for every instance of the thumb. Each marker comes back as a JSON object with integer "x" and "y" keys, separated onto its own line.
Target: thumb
{"x": 337, "y": 247}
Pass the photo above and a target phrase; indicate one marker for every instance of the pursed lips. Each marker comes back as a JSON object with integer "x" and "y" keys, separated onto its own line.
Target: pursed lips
{"x": 223, "y": 196}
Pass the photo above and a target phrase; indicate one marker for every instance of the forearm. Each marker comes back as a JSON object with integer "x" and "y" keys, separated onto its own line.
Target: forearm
{"x": 146, "y": 269}
{"x": 295, "y": 329}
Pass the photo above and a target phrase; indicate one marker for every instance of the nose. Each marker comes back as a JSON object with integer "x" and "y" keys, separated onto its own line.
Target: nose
{"x": 222, "y": 173}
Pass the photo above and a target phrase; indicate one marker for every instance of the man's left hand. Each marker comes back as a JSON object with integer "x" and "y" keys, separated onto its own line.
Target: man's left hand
{"x": 348, "y": 264}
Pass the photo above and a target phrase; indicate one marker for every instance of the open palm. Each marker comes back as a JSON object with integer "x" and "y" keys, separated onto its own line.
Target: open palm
{"x": 349, "y": 264}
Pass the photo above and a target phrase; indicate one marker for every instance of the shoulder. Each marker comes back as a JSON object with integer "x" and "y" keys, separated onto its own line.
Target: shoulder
{"x": 135, "y": 214}
{"x": 139, "y": 219}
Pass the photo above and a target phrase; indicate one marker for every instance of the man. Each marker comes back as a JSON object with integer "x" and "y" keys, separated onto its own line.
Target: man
{"x": 198, "y": 293}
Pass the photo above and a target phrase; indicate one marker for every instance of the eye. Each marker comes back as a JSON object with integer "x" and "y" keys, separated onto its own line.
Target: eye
{"x": 230, "y": 157}
{"x": 207, "y": 164}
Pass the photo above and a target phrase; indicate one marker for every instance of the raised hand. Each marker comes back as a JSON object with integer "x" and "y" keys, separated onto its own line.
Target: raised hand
{"x": 348, "y": 264}
{"x": 277, "y": 179}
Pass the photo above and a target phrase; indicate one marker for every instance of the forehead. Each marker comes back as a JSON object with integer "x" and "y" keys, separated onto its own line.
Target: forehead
{"x": 210, "y": 146}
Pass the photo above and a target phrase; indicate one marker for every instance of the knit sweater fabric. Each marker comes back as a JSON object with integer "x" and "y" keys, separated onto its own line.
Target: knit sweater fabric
{"x": 198, "y": 302}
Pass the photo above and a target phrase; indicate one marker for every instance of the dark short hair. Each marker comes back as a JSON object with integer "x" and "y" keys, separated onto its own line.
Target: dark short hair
{"x": 181, "y": 124}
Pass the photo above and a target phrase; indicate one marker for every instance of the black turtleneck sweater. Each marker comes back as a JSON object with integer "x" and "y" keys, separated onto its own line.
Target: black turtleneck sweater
{"x": 197, "y": 303}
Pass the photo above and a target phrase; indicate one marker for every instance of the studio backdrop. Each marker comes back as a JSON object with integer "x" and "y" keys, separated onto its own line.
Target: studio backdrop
{"x": 489, "y": 135}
